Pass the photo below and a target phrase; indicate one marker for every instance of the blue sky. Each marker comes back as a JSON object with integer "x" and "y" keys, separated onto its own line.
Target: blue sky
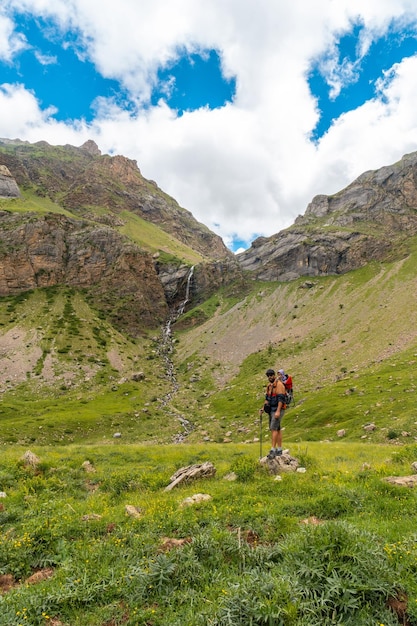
{"x": 389, "y": 49}
{"x": 54, "y": 69}
{"x": 241, "y": 113}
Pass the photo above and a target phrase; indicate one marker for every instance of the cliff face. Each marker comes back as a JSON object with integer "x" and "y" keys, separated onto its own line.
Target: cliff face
{"x": 363, "y": 222}
{"x": 87, "y": 251}
{"x": 370, "y": 219}
{"x": 55, "y": 250}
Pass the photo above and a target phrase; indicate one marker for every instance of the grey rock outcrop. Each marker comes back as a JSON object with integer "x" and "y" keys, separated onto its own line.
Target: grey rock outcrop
{"x": 279, "y": 464}
{"x": 200, "y": 281}
{"x": 8, "y": 185}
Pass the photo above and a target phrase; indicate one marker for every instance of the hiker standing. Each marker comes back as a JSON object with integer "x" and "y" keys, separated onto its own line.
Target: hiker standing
{"x": 275, "y": 406}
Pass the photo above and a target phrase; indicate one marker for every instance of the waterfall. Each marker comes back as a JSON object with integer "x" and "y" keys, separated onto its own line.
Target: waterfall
{"x": 174, "y": 315}
{"x": 165, "y": 349}
{"x": 181, "y": 308}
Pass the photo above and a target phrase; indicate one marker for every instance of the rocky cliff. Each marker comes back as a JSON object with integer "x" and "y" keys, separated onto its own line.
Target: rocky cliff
{"x": 368, "y": 220}
{"x": 85, "y": 249}
{"x": 45, "y": 251}
{"x": 77, "y": 241}
{"x": 8, "y": 185}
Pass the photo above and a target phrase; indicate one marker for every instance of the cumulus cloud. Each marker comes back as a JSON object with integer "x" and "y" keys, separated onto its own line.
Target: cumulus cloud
{"x": 250, "y": 167}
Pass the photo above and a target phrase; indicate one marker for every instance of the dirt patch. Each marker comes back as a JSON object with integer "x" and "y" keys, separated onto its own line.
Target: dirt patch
{"x": 39, "y": 576}
{"x": 115, "y": 360}
{"x": 19, "y": 354}
{"x": 399, "y": 606}
{"x": 7, "y": 582}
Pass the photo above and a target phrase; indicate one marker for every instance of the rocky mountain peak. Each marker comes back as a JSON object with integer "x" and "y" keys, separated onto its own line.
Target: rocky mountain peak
{"x": 91, "y": 147}
{"x": 343, "y": 231}
{"x": 114, "y": 220}
{"x": 392, "y": 189}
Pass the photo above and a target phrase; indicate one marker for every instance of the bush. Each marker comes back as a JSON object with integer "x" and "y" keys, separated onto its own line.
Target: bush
{"x": 244, "y": 467}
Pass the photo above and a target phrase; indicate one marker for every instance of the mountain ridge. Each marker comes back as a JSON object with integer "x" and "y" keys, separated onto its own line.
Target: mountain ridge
{"x": 112, "y": 202}
{"x": 365, "y": 221}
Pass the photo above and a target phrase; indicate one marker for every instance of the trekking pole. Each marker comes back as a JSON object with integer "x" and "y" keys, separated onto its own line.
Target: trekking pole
{"x": 260, "y": 431}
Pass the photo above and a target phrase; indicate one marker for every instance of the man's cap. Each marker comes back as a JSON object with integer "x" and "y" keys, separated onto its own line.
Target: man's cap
{"x": 270, "y": 372}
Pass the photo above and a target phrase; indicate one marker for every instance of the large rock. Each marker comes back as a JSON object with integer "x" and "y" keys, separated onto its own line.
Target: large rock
{"x": 184, "y": 283}
{"x": 280, "y": 464}
{"x": 8, "y": 185}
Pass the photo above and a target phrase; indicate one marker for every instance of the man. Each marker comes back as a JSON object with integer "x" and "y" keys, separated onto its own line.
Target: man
{"x": 275, "y": 406}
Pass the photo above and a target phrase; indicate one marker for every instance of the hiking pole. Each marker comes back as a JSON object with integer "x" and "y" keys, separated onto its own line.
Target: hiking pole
{"x": 261, "y": 411}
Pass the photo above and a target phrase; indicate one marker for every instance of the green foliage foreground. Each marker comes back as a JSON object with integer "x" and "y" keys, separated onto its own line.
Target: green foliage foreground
{"x": 333, "y": 545}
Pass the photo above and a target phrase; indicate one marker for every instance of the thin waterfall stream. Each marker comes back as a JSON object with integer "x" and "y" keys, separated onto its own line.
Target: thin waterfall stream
{"x": 165, "y": 349}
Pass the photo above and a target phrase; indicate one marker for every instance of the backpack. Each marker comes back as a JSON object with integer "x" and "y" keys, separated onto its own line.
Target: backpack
{"x": 289, "y": 393}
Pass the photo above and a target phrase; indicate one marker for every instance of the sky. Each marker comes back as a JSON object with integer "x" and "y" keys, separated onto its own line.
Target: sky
{"x": 242, "y": 110}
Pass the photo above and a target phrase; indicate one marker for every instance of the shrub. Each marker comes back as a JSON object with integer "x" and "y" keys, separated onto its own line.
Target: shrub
{"x": 407, "y": 454}
{"x": 244, "y": 467}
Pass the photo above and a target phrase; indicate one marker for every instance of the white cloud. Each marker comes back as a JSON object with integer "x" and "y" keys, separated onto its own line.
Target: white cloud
{"x": 10, "y": 42}
{"x": 248, "y": 167}
{"x": 46, "y": 59}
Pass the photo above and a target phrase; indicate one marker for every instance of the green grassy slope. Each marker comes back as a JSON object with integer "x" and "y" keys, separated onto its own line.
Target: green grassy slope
{"x": 349, "y": 341}
{"x": 31, "y": 202}
{"x": 152, "y": 238}
{"x": 66, "y": 373}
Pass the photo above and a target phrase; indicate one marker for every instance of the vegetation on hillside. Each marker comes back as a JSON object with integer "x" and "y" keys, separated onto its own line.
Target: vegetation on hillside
{"x": 350, "y": 343}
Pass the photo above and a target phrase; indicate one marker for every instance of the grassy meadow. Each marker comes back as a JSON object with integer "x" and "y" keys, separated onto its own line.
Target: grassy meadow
{"x": 336, "y": 544}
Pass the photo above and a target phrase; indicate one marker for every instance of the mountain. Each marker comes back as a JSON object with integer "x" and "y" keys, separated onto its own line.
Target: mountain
{"x": 369, "y": 220}
{"x": 74, "y": 217}
{"x": 120, "y": 312}
{"x": 84, "y": 182}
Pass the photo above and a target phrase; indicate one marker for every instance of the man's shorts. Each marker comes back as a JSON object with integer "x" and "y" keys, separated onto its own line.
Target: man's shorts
{"x": 275, "y": 423}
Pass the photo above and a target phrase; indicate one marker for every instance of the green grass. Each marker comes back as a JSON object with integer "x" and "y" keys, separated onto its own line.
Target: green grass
{"x": 150, "y": 237}
{"x": 31, "y": 202}
{"x": 351, "y": 353}
{"x": 249, "y": 556}
{"x": 76, "y": 379}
